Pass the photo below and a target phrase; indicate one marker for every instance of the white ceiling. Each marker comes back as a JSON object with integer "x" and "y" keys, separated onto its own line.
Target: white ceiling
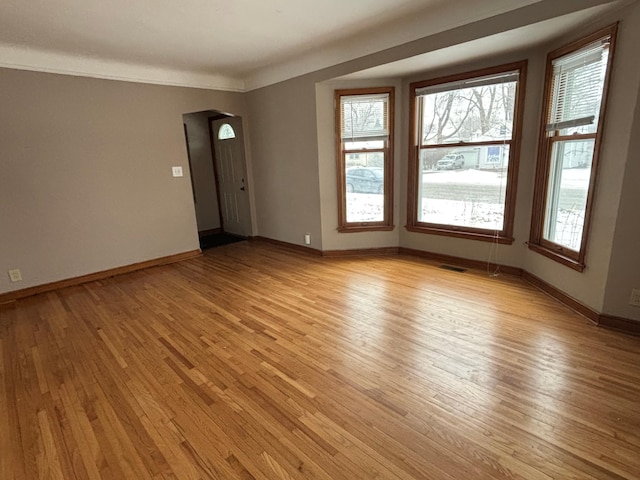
{"x": 231, "y": 45}
{"x": 489, "y": 46}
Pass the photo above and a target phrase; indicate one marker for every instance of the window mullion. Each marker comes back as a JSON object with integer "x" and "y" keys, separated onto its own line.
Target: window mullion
{"x": 466, "y": 144}
{"x": 366, "y": 150}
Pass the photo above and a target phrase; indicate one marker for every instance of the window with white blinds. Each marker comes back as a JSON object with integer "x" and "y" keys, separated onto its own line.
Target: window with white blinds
{"x": 364, "y": 154}
{"x": 570, "y": 139}
{"x": 364, "y": 117}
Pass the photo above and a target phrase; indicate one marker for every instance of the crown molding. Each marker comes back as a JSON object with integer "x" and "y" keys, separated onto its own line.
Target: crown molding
{"x": 21, "y": 58}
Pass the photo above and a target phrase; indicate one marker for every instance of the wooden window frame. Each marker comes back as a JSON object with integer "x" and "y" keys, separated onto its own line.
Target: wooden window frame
{"x": 505, "y": 236}
{"x": 538, "y": 244}
{"x": 387, "y": 223}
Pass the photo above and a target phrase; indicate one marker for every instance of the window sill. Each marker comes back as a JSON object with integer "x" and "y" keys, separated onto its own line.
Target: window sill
{"x": 365, "y": 228}
{"x": 558, "y": 257}
{"x": 467, "y": 234}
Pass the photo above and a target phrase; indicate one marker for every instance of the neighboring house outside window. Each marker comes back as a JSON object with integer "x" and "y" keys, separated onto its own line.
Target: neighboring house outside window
{"x": 465, "y": 142}
{"x": 573, "y": 113}
{"x": 364, "y": 150}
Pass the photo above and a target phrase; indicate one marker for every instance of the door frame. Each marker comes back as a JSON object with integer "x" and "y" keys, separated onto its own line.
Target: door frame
{"x": 210, "y": 121}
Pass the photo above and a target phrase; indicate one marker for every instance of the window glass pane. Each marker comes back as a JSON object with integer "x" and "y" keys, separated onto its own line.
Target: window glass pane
{"x": 469, "y": 114}
{"x": 463, "y": 187}
{"x": 225, "y": 132}
{"x": 364, "y": 192}
{"x": 568, "y": 187}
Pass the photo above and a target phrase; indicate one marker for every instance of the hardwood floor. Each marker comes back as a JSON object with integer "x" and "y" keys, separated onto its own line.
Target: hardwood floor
{"x": 253, "y": 362}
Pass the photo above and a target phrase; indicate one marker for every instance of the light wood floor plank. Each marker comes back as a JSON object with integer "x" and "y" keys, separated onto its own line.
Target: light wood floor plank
{"x": 255, "y": 363}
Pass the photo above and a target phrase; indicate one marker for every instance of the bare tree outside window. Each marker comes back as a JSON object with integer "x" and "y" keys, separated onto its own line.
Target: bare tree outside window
{"x": 463, "y": 154}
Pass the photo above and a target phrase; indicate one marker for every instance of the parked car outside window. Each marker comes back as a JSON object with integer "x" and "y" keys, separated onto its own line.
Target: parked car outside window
{"x": 450, "y": 162}
{"x": 365, "y": 180}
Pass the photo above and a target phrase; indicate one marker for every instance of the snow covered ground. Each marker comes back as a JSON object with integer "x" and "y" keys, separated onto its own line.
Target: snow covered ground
{"x": 471, "y": 198}
{"x": 467, "y": 213}
{"x": 365, "y": 207}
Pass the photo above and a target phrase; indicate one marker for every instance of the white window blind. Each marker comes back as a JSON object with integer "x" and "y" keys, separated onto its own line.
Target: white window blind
{"x": 578, "y": 83}
{"x": 365, "y": 117}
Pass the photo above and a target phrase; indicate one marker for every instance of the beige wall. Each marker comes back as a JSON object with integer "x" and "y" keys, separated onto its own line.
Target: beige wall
{"x": 624, "y": 270}
{"x": 204, "y": 183}
{"x": 85, "y": 173}
{"x": 284, "y": 154}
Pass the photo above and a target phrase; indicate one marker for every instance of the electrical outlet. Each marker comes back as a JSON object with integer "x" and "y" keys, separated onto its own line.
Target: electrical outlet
{"x": 15, "y": 275}
{"x": 176, "y": 171}
{"x": 634, "y": 299}
{"x": 307, "y": 239}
